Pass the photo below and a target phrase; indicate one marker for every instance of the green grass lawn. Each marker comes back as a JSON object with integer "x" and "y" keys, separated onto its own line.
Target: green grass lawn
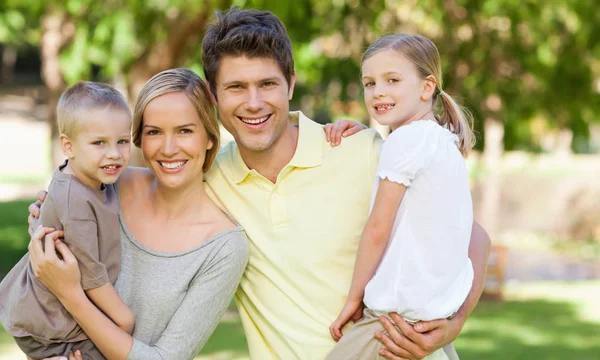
{"x": 13, "y": 233}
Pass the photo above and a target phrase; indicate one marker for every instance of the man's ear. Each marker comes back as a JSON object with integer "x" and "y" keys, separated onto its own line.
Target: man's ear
{"x": 213, "y": 97}
{"x": 429, "y": 86}
{"x": 67, "y": 146}
{"x": 291, "y": 88}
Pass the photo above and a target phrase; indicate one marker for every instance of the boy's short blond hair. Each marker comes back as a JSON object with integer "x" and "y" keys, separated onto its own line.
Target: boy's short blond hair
{"x": 75, "y": 103}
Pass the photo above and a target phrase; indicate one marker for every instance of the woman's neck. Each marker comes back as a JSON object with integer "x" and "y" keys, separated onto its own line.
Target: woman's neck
{"x": 176, "y": 203}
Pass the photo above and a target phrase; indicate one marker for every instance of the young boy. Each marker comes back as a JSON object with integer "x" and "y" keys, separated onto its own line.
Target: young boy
{"x": 95, "y": 125}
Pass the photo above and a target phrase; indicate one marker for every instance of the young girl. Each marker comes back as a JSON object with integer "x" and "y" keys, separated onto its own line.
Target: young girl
{"x": 413, "y": 254}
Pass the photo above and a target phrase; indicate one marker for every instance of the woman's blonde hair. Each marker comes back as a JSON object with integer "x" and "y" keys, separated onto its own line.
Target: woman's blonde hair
{"x": 424, "y": 54}
{"x": 189, "y": 83}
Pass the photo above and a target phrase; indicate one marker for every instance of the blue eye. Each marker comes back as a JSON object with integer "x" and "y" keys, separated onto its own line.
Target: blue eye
{"x": 99, "y": 142}
{"x": 123, "y": 142}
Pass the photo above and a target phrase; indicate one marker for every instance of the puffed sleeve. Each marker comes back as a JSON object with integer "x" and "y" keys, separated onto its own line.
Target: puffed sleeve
{"x": 407, "y": 151}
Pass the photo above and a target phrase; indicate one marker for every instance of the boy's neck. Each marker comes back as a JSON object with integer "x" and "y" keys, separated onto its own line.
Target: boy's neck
{"x": 70, "y": 170}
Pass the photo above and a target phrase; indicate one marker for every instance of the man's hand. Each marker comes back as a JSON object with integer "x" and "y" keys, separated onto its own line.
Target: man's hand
{"x": 416, "y": 342}
{"x": 334, "y": 132}
{"x": 34, "y": 211}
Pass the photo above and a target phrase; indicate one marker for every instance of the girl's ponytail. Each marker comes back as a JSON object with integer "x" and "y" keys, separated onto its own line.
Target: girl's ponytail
{"x": 458, "y": 120}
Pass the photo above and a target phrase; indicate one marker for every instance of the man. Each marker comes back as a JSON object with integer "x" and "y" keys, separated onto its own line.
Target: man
{"x": 302, "y": 203}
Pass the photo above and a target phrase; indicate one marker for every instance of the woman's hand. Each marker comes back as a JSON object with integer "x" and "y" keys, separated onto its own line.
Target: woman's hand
{"x": 76, "y": 356}
{"x": 334, "y": 132}
{"x": 353, "y": 310}
{"x": 60, "y": 276}
{"x": 34, "y": 211}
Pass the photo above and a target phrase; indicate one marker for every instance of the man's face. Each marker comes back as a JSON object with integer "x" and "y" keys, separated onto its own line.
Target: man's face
{"x": 253, "y": 101}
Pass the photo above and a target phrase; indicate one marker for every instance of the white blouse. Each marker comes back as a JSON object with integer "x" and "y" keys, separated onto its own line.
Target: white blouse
{"x": 426, "y": 273}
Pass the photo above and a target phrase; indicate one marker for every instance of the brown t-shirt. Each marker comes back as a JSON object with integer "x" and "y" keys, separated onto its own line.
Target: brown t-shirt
{"x": 90, "y": 223}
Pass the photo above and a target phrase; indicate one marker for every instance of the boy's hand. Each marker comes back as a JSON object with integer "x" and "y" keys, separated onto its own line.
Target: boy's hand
{"x": 334, "y": 132}
{"x": 34, "y": 211}
{"x": 353, "y": 310}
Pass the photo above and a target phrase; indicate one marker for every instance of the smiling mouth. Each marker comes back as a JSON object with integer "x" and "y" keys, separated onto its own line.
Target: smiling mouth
{"x": 172, "y": 164}
{"x": 384, "y": 107}
{"x": 254, "y": 121}
{"x": 111, "y": 167}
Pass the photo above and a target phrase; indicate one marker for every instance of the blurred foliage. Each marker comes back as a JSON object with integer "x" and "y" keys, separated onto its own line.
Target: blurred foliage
{"x": 533, "y": 65}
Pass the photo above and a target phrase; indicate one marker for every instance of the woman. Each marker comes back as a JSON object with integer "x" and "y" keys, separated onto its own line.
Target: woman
{"x": 182, "y": 257}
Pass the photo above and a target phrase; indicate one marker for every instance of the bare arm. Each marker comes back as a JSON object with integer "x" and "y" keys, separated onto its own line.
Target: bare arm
{"x": 63, "y": 279}
{"x": 428, "y": 336}
{"x": 373, "y": 242}
{"x": 106, "y": 298}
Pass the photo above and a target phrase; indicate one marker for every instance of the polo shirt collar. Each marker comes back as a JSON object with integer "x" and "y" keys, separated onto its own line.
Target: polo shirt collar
{"x": 309, "y": 151}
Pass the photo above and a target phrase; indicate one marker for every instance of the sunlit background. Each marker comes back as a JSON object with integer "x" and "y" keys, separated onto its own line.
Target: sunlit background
{"x": 528, "y": 70}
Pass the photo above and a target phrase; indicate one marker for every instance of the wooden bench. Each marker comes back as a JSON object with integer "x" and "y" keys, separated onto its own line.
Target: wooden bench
{"x": 494, "y": 284}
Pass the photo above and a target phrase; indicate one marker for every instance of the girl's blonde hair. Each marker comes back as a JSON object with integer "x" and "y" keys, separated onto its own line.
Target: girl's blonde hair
{"x": 189, "y": 83}
{"x": 424, "y": 54}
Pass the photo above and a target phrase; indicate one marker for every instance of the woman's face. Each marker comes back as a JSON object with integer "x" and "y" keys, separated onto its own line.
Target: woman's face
{"x": 174, "y": 141}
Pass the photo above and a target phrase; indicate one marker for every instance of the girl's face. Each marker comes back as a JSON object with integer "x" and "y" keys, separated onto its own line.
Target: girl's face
{"x": 174, "y": 140}
{"x": 395, "y": 93}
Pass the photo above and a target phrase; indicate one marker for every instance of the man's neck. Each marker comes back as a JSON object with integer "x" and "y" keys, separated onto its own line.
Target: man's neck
{"x": 270, "y": 162}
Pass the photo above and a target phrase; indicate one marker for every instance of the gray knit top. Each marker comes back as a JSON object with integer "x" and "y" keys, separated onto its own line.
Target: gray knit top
{"x": 178, "y": 298}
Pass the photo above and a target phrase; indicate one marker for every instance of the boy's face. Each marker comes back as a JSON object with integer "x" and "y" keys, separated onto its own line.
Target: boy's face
{"x": 99, "y": 152}
{"x": 253, "y": 101}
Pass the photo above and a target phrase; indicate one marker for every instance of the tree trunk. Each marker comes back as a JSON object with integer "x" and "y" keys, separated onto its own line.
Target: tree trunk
{"x": 9, "y": 58}
{"x": 491, "y": 189}
{"x": 57, "y": 32}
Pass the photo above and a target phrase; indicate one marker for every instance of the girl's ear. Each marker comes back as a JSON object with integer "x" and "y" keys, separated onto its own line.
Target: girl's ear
{"x": 67, "y": 146}
{"x": 429, "y": 86}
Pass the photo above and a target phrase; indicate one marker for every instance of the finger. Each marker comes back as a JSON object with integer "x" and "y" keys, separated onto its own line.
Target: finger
{"x": 35, "y": 243}
{"x": 64, "y": 251}
{"x": 353, "y": 130}
{"x": 425, "y": 326}
{"x": 392, "y": 348}
{"x": 34, "y": 209}
{"x": 340, "y": 126}
{"x": 78, "y": 355}
{"x": 407, "y": 330}
{"x": 388, "y": 355}
{"x": 327, "y": 129}
{"x": 49, "y": 249}
{"x": 335, "y": 333}
{"x": 396, "y": 341}
{"x": 41, "y": 195}
{"x": 30, "y": 229}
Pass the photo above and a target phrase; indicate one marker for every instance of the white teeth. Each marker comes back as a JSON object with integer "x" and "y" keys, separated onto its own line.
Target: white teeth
{"x": 110, "y": 167}
{"x": 384, "y": 107}
{"x": 254, "y": 121}
{"x": 172, "y": 165}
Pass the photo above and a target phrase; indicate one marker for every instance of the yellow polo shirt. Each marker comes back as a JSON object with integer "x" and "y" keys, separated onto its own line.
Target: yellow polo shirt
{"x": 304, "y": 233}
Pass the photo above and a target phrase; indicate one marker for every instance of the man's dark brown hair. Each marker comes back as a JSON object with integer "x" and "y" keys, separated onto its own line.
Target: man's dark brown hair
{"x": 251, "y": 33}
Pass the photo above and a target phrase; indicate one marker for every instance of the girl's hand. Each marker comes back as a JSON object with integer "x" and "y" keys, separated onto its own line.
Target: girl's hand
{"x": 341, "y": 128}
{"x": 60, "y": 276}
{"x": 353, "y": 310}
